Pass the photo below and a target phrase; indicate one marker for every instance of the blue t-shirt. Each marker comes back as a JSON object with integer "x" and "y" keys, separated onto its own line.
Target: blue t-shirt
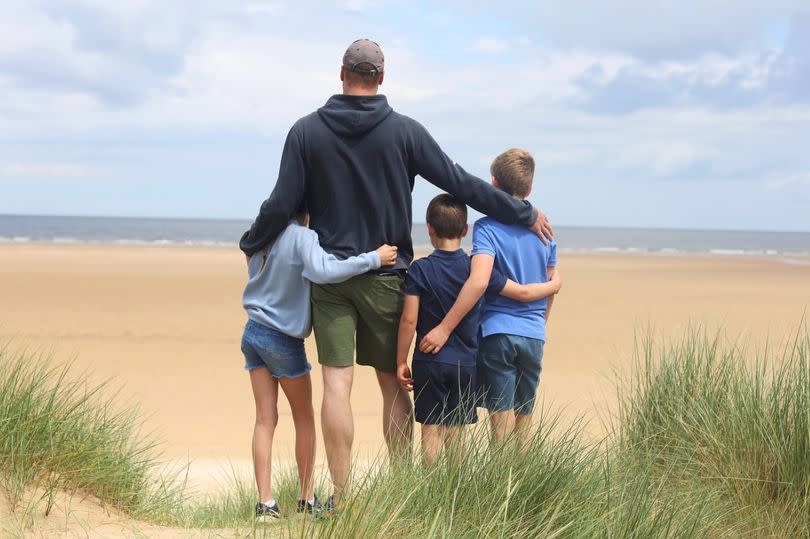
{"x": 437, "y": 280}
{"x": 520, "y": 256}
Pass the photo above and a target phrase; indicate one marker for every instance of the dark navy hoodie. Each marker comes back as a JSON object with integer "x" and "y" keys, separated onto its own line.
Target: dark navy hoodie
{"x": 353, "y": 162}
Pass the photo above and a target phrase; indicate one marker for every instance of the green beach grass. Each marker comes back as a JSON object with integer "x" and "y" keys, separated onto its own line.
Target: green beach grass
{"x": 708, "y": 441}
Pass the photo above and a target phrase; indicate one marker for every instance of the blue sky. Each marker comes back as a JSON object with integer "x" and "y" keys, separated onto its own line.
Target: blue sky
{"x": 653, "y": 114}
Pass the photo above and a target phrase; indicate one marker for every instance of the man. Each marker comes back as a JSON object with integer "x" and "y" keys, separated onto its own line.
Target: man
{"x": 353, "y": 163}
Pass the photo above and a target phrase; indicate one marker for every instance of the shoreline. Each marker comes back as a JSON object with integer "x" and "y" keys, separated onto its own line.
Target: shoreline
{"x": 419, "y": 250}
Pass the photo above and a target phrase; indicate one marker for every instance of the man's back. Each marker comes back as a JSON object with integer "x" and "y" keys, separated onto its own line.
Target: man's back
{"x": 522, "y": 257}
{"x": 360, "y": 177}
{"x": 354, "y": 162}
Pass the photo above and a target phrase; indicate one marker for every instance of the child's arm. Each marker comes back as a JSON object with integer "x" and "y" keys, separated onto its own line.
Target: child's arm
{"x": 552, "y": 274}
{"x": 533, "y": 291}
{"x": 471, "y": 292}
{"x": 407, "y": 328}
{"x": 324, "y": 268}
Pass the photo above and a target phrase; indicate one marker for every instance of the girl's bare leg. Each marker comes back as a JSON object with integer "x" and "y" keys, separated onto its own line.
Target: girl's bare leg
{"x": 265, "y": 394}
{"x": 299, "y": 393}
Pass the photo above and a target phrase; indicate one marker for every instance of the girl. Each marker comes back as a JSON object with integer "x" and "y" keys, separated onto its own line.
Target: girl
{"x": 277, "y": 301}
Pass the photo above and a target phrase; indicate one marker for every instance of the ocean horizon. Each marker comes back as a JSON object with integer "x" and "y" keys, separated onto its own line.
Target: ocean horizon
{"x": 19, "y": 229}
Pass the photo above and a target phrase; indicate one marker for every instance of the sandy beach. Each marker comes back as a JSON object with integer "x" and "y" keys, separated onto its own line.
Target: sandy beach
{"x": 163, "y": 324}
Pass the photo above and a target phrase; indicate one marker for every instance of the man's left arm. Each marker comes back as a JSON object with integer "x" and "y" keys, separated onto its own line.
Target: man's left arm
{"x": 433, "y": 164}
{"x": 285, "y": 199}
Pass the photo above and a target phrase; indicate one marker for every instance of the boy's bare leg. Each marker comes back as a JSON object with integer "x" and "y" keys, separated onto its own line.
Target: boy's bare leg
{"x": 265, "y": 394}
{"x": 453, "y": 436}
{"x": 503, "y": 423}
{"x": 397, "y": 415}
{"x": 337, "y": 424}
{"x": 299, "y": 394}
{"x": 431, "y": 442}
{"x": 523, "y": 428}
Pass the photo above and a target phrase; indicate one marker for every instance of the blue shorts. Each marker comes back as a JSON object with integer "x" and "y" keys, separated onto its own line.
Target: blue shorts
{"x": 509, "y": 371}
{"x": 444, "y": 394}
{"x": 283, "y": 355}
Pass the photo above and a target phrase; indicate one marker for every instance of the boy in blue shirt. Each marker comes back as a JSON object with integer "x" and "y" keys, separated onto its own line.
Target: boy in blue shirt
{"x": 510, "y": 353}
{"x": 444, "y": 383}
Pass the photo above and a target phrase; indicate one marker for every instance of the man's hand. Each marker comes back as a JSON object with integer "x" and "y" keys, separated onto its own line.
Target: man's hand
{"x": 388, "y": 255}
{"x": 404, "y": 376}
{"x": 432, "y": 342}
{"x": 542, "y": 228}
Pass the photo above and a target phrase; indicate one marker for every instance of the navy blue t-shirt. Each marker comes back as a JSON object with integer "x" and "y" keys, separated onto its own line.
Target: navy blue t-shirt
{"x": 437, "y": 280}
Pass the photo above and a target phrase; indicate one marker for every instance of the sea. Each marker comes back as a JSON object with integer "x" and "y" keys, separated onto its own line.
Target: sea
{"x": 226, "y": 233}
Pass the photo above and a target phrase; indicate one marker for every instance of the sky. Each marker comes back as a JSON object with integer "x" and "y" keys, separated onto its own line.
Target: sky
{"x": 642, "y": 113}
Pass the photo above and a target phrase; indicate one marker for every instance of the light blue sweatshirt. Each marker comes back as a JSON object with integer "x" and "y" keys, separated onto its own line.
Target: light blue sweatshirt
{"x": 277, "y": 292}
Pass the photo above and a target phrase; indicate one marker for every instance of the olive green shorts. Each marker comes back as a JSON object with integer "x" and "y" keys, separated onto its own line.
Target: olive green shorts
{"x": 366, "y": 310}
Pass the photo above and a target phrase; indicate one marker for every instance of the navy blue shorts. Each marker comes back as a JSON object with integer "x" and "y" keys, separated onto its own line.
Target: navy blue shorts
{"x": 283, "y": 355}
{"x": 509, "y": 371}
{"x": 444, "y": 394}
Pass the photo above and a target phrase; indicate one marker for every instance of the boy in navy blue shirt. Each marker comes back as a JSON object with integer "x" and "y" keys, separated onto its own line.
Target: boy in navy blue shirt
{"x": 444, "y": 383}
{"x": 513, "y": 334}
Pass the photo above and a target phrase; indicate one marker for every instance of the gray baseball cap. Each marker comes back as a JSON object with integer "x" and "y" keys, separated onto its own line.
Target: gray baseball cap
{"x": 364, "y": 51}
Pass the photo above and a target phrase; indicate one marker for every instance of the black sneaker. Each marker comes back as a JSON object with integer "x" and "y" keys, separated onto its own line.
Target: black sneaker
{"x": 329, "y": 509}
{"x": 305, "y": 507}
{"x": 267, "y": 513}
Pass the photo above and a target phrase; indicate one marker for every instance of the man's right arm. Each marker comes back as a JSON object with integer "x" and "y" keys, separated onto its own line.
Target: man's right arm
{"x": 432, "y": 163}
{"x": 287, "y": 195}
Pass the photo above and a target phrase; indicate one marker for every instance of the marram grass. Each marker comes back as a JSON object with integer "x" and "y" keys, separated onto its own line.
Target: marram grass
{"x": 707, "y": 443}
{"x": 712, "y": 417}
{"x": 60, "y": 434}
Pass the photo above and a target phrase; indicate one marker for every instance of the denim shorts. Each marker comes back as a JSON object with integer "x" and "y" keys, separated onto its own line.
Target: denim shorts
{"x": 283, "y": 355}
{"x": 444, "y": 394}
{"x": 509, "y": 371}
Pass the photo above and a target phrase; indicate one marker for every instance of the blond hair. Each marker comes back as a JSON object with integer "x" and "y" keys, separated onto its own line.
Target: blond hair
{"x": 514, "y": 170}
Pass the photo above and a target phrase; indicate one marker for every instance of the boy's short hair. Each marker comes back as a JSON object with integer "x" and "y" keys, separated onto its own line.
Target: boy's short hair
{"x": 514, "y": 170}
{"x": 447, "y": 215}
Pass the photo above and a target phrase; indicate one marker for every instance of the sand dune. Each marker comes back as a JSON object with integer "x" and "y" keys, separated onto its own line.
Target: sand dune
{"x": 165, "y": 324}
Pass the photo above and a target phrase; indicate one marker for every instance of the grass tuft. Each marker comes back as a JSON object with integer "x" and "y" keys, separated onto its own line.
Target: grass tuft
{"x": 707, "y": 443}
{"x": 62, "y": 435}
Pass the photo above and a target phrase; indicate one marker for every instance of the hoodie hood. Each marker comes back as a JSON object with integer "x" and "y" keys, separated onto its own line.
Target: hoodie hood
{"x": 354, "y": 115}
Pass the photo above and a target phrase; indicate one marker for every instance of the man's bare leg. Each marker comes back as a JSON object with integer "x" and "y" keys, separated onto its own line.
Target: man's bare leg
{"x": 397, "y": 415}
{"x": 337, "y": 424}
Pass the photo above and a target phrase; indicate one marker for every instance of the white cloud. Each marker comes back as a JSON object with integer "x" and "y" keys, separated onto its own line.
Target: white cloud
{"x": 779, "y": 183}
{"x": 663, "y": 158}
{"x": 490, "y": 44}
